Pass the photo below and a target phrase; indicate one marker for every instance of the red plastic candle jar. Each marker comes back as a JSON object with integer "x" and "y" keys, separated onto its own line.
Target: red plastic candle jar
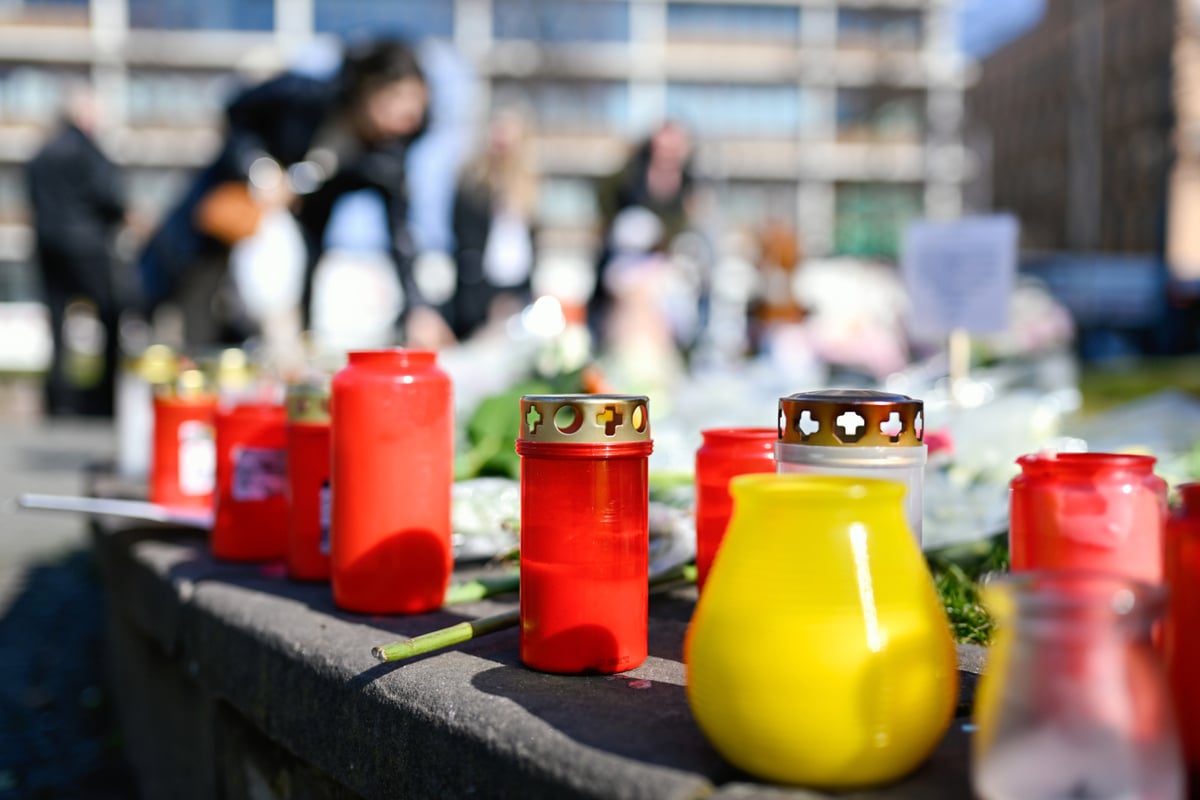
{"x": 251, "y": 512}
{"x": 182, "y": 461}
{"x": 1101, "y": 512}
{"x": 1181, "y": 634}
{"x": 392, "y": 449}
{"x": 724, "y": 453}
{"x": 584, "y": 532}
{"x": 308, "y": 481}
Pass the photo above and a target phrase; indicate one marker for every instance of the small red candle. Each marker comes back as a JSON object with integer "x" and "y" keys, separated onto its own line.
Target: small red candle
{"x": 584, "y": 532}
{"x": 182, "y": 468}
{"x": 1181, "y": 635}
{"x": 251, "y": 509}
{"x": 724, "y": 453}
{"x": 308, "y": 490}
{"x": 1100, "y": 512}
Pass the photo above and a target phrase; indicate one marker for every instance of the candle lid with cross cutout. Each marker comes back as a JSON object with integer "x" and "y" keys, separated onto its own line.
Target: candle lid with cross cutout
{"x": 585, "y": 418}
{"x": 851, "y": 418}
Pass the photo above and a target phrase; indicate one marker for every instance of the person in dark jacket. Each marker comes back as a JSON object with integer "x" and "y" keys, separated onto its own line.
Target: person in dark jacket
{"x": 303, "y": 143}
{"x": 78, "y": 203}
{"x": 494, "y": 210}
{"x": 658, "y": 178}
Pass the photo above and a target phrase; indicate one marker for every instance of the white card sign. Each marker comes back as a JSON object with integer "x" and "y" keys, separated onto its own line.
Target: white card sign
{"x": 959, "y": 275}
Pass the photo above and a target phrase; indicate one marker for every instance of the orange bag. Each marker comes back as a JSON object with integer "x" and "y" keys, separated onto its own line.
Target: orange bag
{"x": 228, "y": 213}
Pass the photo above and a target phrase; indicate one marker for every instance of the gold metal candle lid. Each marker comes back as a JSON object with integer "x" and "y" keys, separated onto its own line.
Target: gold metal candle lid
{"x": 156, "y": 365}
{"x": 585, "y": 418}
{"x": 851, "y": 418}
{"x": 190, "y": 384}
{"x": 308, "y": 401}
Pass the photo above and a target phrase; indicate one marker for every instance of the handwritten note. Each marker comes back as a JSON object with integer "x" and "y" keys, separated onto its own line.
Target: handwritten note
{"x": 959, "y": 274}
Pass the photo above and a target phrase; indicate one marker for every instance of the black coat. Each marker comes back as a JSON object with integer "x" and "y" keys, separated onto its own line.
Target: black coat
{"x": 281, "y": 119}
{"x": 473, "y": 292}
{"x": 78, "y": 204}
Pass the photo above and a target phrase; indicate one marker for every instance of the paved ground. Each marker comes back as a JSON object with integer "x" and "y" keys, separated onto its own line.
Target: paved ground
{"x": 57, "y": 735}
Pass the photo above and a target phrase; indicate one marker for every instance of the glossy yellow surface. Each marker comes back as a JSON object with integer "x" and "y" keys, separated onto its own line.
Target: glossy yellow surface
{"x": 819, "y": 653}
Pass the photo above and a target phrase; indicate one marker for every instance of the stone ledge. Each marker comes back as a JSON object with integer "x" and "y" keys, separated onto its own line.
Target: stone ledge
{"x": 277, "y": 658}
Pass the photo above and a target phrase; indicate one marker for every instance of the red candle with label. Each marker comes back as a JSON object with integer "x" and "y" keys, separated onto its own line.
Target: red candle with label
{"x": 1101, "y": 512}
{"x": 308, "y": 492}
{"x": 251, "y": 512}
{"x": 584, "y": 532}
{"x": 392, "y": 450}
{"x": 1182, "y": 630}
{"x": 724, "y": 453}
{"x": 182, "y": 470}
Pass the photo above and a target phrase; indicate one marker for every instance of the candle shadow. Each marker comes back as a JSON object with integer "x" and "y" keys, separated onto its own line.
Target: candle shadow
{"x": 597, "y": 711}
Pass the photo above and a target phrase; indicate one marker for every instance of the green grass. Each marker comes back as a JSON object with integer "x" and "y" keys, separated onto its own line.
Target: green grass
{"x": 956, "y": 574}
{"x": 1110, "y": 385}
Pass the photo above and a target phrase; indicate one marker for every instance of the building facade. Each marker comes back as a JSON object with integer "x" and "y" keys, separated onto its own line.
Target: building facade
{"x": 843, "y": 117}
{"x": 1078, "y": 118}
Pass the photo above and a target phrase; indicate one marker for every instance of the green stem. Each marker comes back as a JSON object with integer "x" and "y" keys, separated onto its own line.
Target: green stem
{"x": 483, "y": 587}
{"x": 436, "y": 640}
{"x": 466, "y": 631}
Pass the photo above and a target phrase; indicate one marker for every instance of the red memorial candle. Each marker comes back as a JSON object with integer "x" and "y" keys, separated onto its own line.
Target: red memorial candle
{"x": 724, "y": 453}
{"x": 308, "y": 490}
{"x": 392, "y": 455}
{"x": 251, "y": 509}
{"x": 182, "y": 466}
{"x": 584, "y": 532}
{"x": 1100, "y": 512}
{"x": 1182, "y": 631}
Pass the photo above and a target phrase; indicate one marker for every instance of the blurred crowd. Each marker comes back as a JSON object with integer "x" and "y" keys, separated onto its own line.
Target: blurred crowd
{"x": 344, "y": 210}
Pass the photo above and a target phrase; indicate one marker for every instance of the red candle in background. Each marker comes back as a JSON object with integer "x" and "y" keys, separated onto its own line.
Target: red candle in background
{"x": 392, "y": 455}
{"x": 584, "y": 532}
{"x": 182, "y": 469}
{"x": 1181, "y": 634}
{"x": 308, "y": 492}
{"x": 251, "y": 509}
{"x": 1101, "y": 512}
{"x": 724, "y": 453}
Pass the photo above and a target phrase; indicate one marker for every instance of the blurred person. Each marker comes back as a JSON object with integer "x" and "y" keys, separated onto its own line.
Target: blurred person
{"x": 78, "y": 200}
{"x": 301, "y": 143}
{"x": 656, "y": 179}
{"x": 779, "y": 257}
{"x": 494, "y": 210}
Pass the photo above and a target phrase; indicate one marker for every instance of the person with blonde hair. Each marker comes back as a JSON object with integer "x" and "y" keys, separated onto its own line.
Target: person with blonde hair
{"x": 494, "y": 223}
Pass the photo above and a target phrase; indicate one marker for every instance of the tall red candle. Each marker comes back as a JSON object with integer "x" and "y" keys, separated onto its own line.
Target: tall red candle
{"x": 1181, "y": 634}
{"x": 181, "y": 469}
{"x": 724, "y": 453}
{"x": 1101, "y": 512}
{"x": 251, "y": 509}
{"x": 308, "y": 487}
{"x": 584, "y": 532}
{"x": 392, "y": 455}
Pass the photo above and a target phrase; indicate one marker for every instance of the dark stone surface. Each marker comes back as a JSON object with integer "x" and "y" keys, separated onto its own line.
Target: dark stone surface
{"x": 59, "y": 736}
{"x": 275, "y": 663}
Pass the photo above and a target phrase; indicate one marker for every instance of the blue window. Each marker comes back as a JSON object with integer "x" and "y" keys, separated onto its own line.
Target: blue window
{"x": 739, "y": 110}
{"x": 562, "y": 20}
{"x": 880, "y": 114}
{"x": 571, "y": 106}
{"x": 34, "y": 94}
{"x": 704, "y": 22}
{"x": 176, "y": 97}
{"x": 230, "y": 15}
{"x": 414, "y": 19}
{"x": 873, "y": 27}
